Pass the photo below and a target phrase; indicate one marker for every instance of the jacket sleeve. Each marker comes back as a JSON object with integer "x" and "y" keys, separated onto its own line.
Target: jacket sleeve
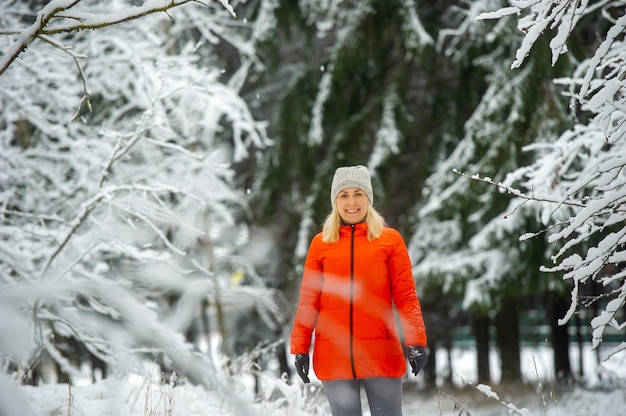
{"x": 404, "y": 294}
{"x": 309, "y": 303}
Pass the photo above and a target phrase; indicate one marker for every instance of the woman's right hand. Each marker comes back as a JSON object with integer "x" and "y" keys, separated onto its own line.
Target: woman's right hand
{"x": 302, "y": 366}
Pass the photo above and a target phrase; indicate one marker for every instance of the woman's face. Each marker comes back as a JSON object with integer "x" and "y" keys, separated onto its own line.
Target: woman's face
{"x": 352, "y": 205}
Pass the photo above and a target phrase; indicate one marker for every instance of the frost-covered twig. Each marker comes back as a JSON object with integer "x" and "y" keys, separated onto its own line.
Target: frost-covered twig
{"x": 520, "y": 194}
{"x": 119, "y": 150}
{"x": 84, "y": 101}
{"x": 87, "y": 207}
{"x": 38, "y": 217}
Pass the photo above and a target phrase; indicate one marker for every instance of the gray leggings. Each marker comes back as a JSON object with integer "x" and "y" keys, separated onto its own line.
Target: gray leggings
{"x": 384, "y": 396}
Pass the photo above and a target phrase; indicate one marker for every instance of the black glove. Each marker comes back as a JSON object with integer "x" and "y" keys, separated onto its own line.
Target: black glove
{"x": 417, "y": 358}
{"x": 302, "y": 366}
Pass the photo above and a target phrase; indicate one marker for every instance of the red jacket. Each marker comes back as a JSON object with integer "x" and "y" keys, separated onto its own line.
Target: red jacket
{"x": 347, "y": 295}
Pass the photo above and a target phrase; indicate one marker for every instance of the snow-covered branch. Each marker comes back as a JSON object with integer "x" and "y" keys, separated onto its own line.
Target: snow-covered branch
{"x": 53, "y": 17}
{"x": 518, "y": 193}
{"x": 541, "y": 16}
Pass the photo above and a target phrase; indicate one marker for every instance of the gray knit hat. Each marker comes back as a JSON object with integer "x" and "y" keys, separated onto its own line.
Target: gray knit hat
{"x": 351, "y": 177}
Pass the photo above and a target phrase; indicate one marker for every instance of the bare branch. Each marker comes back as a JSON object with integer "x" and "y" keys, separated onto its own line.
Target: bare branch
{"x": 36, "y": 217}
{"x": 84, "y": 101}
{"x": 87, "y": 208}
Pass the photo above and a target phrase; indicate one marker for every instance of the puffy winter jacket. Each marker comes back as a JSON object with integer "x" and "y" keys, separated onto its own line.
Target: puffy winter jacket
{"x": 347, "y": 296}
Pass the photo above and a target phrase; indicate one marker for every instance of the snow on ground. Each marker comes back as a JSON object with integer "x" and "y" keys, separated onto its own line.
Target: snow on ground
{"x": 602, "y": 393}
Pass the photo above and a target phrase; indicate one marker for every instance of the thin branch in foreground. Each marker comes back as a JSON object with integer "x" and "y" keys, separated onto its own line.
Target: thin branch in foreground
{"x": 520, "y": 194}
{"x": 540, "y": 388}
{"x": 462, "y": 411}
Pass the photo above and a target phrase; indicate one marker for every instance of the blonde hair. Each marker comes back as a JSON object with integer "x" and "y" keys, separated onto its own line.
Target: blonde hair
{"x": 375, "y": 224}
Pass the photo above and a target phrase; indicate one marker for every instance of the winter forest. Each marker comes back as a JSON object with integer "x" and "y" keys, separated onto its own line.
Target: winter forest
{"x": 164, "y": 165}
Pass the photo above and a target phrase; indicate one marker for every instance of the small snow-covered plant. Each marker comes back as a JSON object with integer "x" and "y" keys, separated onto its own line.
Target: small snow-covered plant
{"x": 70, "y": 400}
{"x": 512, "y": 409}
{"x": 163, "y": 401}
{"x": 459, "y": 409}
{"x": 276, "y": 395}
{"x": 285, "y": 398}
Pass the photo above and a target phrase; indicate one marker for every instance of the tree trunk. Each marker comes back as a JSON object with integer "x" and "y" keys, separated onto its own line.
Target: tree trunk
{"x": 557, "y": 308}
{"x": 283, "y": 365}
{"x": 430, "y": 371}
{"x": 579, "y": 342}
{"x": 480, "y": 327}
{"x": 448, "y": 378}
{"x": 508, "y": 340}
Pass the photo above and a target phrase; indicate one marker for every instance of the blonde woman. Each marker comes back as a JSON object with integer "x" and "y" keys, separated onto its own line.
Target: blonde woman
{"x": 356, "y": 272}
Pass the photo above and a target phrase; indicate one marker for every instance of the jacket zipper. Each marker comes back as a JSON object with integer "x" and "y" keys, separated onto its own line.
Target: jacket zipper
{"x": 351, "y": 302}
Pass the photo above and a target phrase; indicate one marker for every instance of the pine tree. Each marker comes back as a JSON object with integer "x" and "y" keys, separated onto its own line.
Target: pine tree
{"x": 481, "y": 253}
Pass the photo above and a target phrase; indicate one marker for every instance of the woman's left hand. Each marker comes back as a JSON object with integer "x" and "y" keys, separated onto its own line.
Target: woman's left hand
{"x": 417, "y": 358}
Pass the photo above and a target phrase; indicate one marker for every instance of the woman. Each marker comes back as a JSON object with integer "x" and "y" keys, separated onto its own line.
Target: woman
{"x": 356, "y": 270}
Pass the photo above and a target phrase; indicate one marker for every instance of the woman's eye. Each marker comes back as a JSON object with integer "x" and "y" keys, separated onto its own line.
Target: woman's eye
{"x": 354, "y": 195}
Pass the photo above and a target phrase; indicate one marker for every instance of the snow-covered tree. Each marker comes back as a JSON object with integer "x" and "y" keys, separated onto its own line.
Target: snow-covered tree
{"x": 465, "y": 242}
{"x": 120, "y": 216}
{"x": 578, "y": 180}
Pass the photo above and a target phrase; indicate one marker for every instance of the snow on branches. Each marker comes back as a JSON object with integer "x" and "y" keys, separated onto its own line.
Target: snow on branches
{"x": 57, "y": 17}
{"x": 585, "y": 168}
{"x": 105, "y": 222}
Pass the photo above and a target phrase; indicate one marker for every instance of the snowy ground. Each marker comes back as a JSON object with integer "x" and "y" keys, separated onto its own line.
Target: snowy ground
{"x": 602, "y": 393}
